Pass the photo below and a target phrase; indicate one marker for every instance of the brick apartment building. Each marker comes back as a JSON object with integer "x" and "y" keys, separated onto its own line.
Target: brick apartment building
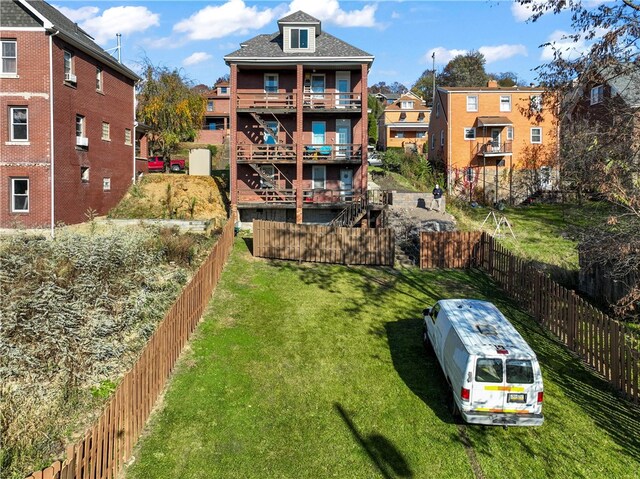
{"x": 216, "y": 116}
{"x": 298, "y": 116}
{"x": 66, "y": 117}
{"x": 487, "y": 138}
{"x": 404, "y": 123}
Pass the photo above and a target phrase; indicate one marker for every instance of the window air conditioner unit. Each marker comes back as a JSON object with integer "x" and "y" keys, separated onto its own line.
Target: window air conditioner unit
{"x": 70, "y": 77}
{"x": 82, "y": 141}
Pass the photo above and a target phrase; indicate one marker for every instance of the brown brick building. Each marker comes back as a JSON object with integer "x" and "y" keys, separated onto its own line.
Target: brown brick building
{"x": 298, "y": 117}
{"x": 66, "y": 119}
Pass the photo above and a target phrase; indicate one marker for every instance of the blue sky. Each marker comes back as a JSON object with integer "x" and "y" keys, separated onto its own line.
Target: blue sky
{"x": 195, "y": 35}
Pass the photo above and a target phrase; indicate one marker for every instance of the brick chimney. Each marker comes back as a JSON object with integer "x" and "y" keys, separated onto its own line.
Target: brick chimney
{"x": 492, "y": 84}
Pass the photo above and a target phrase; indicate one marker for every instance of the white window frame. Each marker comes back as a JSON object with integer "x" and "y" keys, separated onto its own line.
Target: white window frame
{"x": 299, "y": 30}
{"x": 7, "y": 57}
{"x": 420, "y": 134}
{"x": 441, "y": 137}
{"x": 535, "y": 103}
{"x": 14, "y": 195}
{"x": 106, "y": 183}
{"x": 534, "y": 142}
{"x": 438, "y": 110}
{"x": 12, "y": 133}
{"x": 433, "y": 142}
{"x": 99, "y": 85}
{"x": 398, "y": 134}
{"x": 224, "y": 90}
{"x": 81, "y": 120}
{"x": 314, "y": 181}
{"x": 466, "y": 134}
{"x": 210, "y": 105}
{"x": 128, "y": 137}
{"x": 470, "y": 106}
{"x": 277, "y": 80}
{"x": 106, "y": 131}
{"x": 509, "y": 133}
{"x": 505, "y": 103}
{"x": 84, "y": 174}
{"x": 597, "y": 94}
{"x": 68, "y": 62}
{"x": 406, "y": 105}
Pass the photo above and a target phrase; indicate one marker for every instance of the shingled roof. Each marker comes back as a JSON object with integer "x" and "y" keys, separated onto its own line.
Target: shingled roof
{"x": 271, "y": 45}
{"x": 15, "y": 13}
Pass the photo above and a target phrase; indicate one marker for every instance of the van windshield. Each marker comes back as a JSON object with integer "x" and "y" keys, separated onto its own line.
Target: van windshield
{"x": 519, "y": 371}
{"x": 489, "y": 370}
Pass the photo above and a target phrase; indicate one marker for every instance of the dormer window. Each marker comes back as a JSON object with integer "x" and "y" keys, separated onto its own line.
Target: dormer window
{"x": 406, "y": 105}
{"x": 299, "y": 38}
{"x": 597, "y": 94}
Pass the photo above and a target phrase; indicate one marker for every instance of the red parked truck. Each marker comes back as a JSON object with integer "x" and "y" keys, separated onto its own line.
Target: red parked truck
{"x": 156, "y": 164}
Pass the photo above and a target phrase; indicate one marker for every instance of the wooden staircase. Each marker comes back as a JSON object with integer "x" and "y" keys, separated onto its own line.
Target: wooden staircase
{"x": 353, "y": 213}
{"x": 273, "y": 193}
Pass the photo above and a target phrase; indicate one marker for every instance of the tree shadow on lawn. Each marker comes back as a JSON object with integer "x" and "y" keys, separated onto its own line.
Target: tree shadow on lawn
{"x": 382, "y": 452}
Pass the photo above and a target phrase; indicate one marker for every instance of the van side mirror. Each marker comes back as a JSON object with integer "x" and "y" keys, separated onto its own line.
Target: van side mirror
{"x": 426, "y": 312}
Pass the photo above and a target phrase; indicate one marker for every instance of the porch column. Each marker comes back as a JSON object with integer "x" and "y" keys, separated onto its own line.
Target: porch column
{"x": 298, "y": 139}
{"x": 233, "y": 140}
{"x": 364, "y": 128}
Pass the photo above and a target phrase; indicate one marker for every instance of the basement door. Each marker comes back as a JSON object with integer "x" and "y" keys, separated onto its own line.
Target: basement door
{"x": 346, "y": 184}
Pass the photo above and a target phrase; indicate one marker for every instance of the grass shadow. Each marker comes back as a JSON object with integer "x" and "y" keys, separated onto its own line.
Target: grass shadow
{"x": 383, "y": 454}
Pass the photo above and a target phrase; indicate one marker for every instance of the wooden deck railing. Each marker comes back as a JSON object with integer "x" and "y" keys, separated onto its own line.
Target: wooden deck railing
{"x": 335, "y": 153}
{"x": 107, "y": 446}
{"x": 260, "y": 153}
{"x": 494, "y": 148}
{"x": 266, "y": 100}
{"x": 332, "y": 100}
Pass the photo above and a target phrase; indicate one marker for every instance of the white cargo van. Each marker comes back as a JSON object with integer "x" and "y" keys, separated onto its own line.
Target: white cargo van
{"x": 493, "y": 374}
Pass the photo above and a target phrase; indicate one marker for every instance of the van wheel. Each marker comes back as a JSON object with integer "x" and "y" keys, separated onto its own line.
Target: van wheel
{"x": 451, "y": 405}
{"x": 426, "y": 343}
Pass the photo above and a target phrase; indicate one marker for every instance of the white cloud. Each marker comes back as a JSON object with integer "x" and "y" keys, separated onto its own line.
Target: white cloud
{"x": 79, "y": 14}
{"x": 329, "y": 11}
{"x": 521, "y": 12}
{"x": 195, "y": 58}
{"x": 502, "y": 52}
{"x": 113, "y": 20}
{"x": 443, "y": 55}
{"x": 219, "y": 21}
{"x": 567, "y": 47}
{"x": 395, "y": 15}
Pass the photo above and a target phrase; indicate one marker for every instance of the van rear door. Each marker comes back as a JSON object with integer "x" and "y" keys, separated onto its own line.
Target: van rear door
{"x": 521, "y": 392}
{"x": 487, "y": 393}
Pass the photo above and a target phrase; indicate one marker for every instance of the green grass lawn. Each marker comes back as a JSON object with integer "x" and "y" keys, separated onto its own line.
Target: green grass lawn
{"x": 543, "y": 232}
{"x": 317, "y": 371}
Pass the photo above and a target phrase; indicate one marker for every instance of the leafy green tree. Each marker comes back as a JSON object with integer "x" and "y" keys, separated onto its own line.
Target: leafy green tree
{"x": 423, "y": 87}
{"x": 168, "y": 105}
{"x": 465, "y": 70}
{"x": 376, "y": 111}
{"x": 505, "y": 79}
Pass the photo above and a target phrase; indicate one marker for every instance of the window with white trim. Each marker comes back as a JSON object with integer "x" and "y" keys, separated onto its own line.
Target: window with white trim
{"x": 19, "y": 129}
{"x": 505, "y": 102}
{"x": 509, "y": 133}
{"x": 299, "y": 38}
{"x": 469, "y": 133}
{"x": 84, "y": 174}
{"x": 536, "y": 135}
{"x": 99, "y": 79}
{"x": 224, "y": 90}
{"x": 69, "y": 69}
{"x": 441, "y": 137}
{"x": 319, "y": 177}
{"x": 271, "y": 83}
{"x": 597, "y": 94}
{"x": 80, "y": 126}
{"x": 209, "y": 105}
{"x": 398, "y": 134}
{"x": 106, "y": 131}
{"x": 535, "y": 103}
{"x": 406, "y": 105}
{"x": 106, "y": 184}
{"x": 420, "y": 134}
{"x": 127, "y": 136}
{"x": 9, "y": 52}
{"x": 472, "y": 103}
{"x": 19, "y": 195}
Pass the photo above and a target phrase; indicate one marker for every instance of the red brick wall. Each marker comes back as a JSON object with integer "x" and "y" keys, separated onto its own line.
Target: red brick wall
{"x": 106, "y": 159}
{"x": 30, "y": 159}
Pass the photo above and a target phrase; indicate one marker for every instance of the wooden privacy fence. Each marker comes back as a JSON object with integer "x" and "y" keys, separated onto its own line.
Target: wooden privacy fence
{"x": 605, "y": 344}
{"x": 107, "y": 446}
{"x": 323, "y": 244}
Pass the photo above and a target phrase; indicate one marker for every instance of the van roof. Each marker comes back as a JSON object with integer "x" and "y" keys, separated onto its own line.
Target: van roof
{"x": 484, "y": 330}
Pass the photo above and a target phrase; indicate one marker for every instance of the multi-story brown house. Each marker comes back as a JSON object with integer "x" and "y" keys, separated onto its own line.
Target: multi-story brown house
{"x": 298, "y": 123}
{"x": 404, "y": 123}
{"x": 216, "y": 115}
{"x": 66, "y": 119}
{"x": 484, "y": 137}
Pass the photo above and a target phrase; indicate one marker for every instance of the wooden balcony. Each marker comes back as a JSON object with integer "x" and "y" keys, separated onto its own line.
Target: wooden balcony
{"x": 323, "y": 197}
{"x": 494, "y": 148}
{"x": 261, "y": 153}
{"x": 335, "y": 153}
{"x": 333, "y": 101}
{"x": 266, "y": 101}
{"x": 266, "y": 197}
{"x": 318, "y": 197}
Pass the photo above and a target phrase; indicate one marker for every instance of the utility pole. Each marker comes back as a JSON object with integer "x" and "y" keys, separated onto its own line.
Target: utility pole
{"x": 433, "y": 100}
